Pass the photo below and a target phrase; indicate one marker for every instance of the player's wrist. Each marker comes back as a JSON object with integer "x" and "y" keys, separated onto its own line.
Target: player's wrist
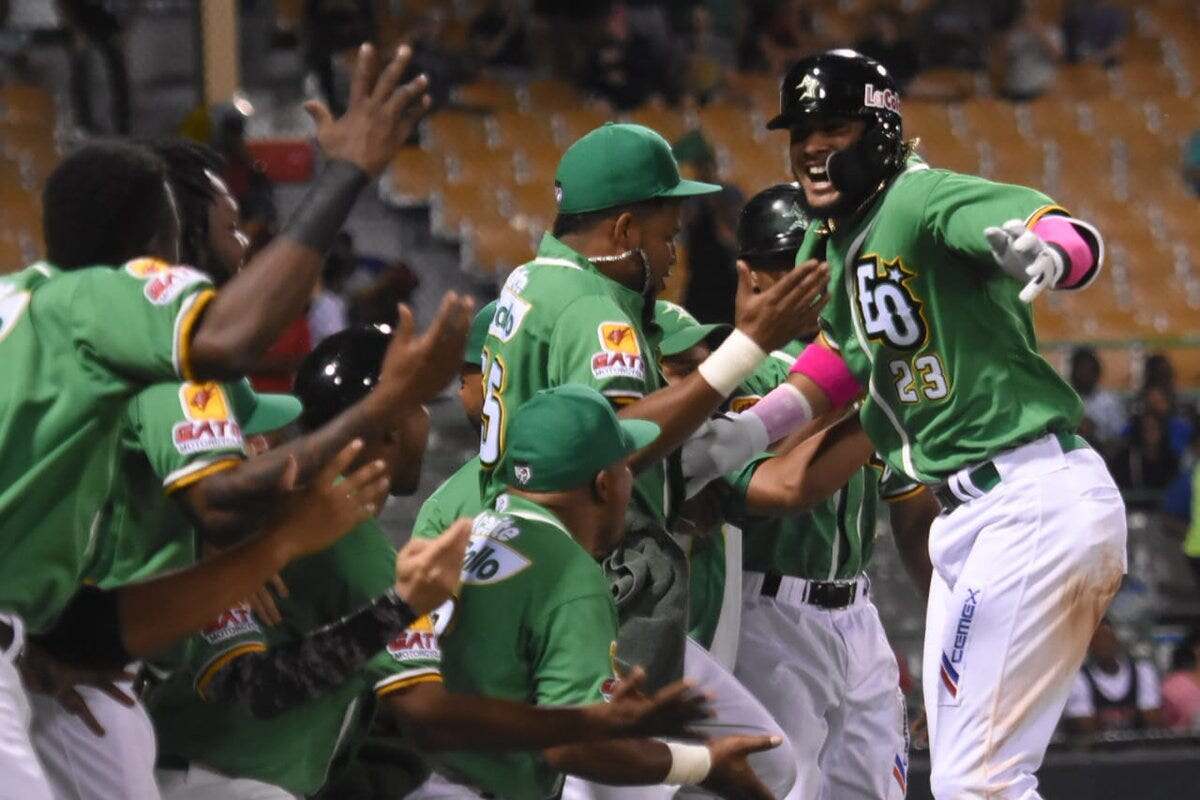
{"x": 731, "y": 363}
{"x": 690, "y": 764}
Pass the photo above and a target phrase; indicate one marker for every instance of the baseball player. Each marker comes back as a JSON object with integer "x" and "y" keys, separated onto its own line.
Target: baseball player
{"x": 933, "y": 273}
{"x": 59, "y": 422}
{"x": 297, "y": 696}
{"x": 531, "y": 577}
{"x": 812, "y": 647}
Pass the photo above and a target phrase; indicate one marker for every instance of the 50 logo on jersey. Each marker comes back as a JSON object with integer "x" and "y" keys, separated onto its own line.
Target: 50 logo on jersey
{"x": 891, "y": 313}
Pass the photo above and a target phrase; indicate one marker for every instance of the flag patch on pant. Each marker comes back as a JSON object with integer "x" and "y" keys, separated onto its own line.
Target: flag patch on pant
{"x": 900, "y": 773}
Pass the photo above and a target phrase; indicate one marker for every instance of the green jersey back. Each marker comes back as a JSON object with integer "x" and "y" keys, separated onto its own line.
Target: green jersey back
{"x": 174, "y": 435}
{"x": 534, "y": 623}
{"x": 933, "y": 329}
{"x": 560, "y": 320}
{"x": 296, "y": 748}
{"x": 75, "y": 347}
{"x": 458, "y": 496}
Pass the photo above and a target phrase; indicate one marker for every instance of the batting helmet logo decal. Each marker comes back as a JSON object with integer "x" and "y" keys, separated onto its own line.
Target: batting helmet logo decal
{"x": 809, "y": 87}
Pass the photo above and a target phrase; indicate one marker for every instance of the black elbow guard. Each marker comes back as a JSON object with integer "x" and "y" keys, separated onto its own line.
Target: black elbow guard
{"x": 88, "y": 632}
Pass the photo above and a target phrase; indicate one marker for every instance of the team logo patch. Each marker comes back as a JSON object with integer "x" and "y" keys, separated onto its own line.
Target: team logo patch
{"x": 739, "y": 404}
{"x": 163, "y": 283}
{"x": 890, "y": 310}
{"x": 510, "y": 313}
{"x": 900, "y": 773}
{"x": 233, "y": 622}
{"x": 951, "y": 666}
{"x": 203, "y": 402}
{"x": 620, "y": 354}
{"x": 489, "y": 562}
{"x": 495, "y": 526}
{"x": 810, "y": 88}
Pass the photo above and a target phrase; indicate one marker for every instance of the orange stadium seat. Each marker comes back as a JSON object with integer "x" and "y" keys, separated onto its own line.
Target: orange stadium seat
{"x": 456, "y": 205}
{"x": 486, "y": 93}
{"x": 25, "y": 104}
{"x": 667, "y": 121}
{"x": 547, "y": 96}
{"x": 497, "y": 249}
{"x": 451, "y": 131}
{"x": 571, "y": 123}
{"x": 513, "y": 130}
{"x": 529, "y": 206}
{"x": 413, "y": 176}
{"x": 723, "y": 121}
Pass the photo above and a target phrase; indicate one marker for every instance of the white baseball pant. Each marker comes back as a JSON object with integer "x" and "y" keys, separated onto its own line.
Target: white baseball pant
{"x": 735, "y": 711}
{"x": 21, "y": 774}
{"x": 1022, "y": 575}
{"x": 84, "y": 766}
{"x": 199, "y": 783}
{"x": 831, "y": 680}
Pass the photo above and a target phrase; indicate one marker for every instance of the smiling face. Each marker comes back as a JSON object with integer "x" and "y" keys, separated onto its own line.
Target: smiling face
{"x": 812, "y": 142}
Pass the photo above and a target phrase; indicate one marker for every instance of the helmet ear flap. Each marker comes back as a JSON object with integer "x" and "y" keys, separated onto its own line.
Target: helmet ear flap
{"x": 857, "y": 169}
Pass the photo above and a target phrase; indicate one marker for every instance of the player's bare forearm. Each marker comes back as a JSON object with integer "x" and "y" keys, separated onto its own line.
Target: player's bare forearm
{"x": 157, "y": 613}
{"x": 678, "y": 410}
{"x": 810, "y": 472}
{"x": 911, "y": 518}
{"x": 619, "y": 762}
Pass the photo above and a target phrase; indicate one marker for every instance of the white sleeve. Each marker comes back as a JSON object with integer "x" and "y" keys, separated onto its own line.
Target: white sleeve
{"x": 1149, "y": 688}
{"x": 1079, "y": 702}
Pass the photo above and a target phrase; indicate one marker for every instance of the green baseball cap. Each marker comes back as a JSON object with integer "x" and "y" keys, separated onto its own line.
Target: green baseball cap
{"x": 616, "y": 164}
{"x": 680, "y": 329}
{"x": 561, "y": 437}
{"x": 261, "y": 413}
{"x": 473, "y": 353}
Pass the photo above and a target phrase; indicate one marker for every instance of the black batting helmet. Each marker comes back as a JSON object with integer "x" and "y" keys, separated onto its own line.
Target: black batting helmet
{"x": 772, "y": 223}
{"x": 338, "y": 373}
{"x": 845, "y": 83}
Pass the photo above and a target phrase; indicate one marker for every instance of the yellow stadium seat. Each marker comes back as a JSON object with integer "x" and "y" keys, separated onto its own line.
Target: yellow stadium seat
{"x": 549, "y": 95}
{"x": 484, "y": 167}
{"x": 572, "y": 123}
{"x": 487, "y": 93}
{"x": 413, "y": 176}
{"x": 667, "y": 121}
{"x": 529, "y": 206}
{"x": 496, "y": 250}
{"x": 456, "y": 206}
{"x": 451, "y": 131}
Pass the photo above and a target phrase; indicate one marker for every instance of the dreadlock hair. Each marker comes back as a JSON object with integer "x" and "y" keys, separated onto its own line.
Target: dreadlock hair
{"x": 188, "y": 164}
{"x": 106, "y": 203}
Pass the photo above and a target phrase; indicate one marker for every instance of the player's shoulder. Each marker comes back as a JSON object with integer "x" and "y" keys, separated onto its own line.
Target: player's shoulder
{"x": 512, "y": 541}
{"x": 160, "y": 282}
{"x": 460, "y": 495}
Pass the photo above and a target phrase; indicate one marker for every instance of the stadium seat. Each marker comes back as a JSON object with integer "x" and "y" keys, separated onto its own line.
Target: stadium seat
{"x": 456, "y": 205}
{"x": 413, "y": 176}
{"x": 529, "y": 206}
{"x": 486, "y": 93}
{"x": 513, "y": 130}
{"x": 667, "y": 121}
{"x": 547, "y": 96}
{"x": 451, "y": 131}
{"x": 22, "y": 103}
{"x": 495, "y": 250}
{"x": 572, "y": 123}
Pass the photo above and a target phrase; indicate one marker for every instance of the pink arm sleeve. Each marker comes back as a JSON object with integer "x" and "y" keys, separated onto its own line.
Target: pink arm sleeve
{"x": 829, "y": 372}
{"x": 1083, "y": 259}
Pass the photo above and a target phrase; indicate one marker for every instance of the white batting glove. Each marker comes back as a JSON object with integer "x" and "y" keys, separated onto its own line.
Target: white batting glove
{"x": 1022, "y": 254}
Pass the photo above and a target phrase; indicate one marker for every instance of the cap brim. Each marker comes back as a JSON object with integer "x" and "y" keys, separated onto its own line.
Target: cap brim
{"x": 271, "y": 412}
{"x": 680, "y": 341}
{"x": 686, "y": 188}
{"x": 639, "y": 433}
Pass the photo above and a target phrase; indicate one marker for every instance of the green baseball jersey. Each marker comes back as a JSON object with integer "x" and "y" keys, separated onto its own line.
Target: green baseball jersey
{"x": 458, "y": 496}
{"x": 174, "y": 435}
{"x": 75, "y": 347}
{"x": 560, "y": 320}
{"x": 295, "y": 749}
{"x": 932, "y": 329}
{"x": 534, "y": 623}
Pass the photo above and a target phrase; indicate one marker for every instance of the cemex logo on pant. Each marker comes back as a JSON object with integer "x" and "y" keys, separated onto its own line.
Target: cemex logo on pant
{"x": 952, "y": 657}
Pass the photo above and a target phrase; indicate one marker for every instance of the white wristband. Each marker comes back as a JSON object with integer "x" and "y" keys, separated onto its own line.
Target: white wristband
{"x": 690, "y": 764}
{"x": 731, "y": 363}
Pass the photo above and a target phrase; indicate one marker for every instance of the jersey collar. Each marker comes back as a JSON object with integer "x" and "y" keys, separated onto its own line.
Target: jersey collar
{"x": 553, "y": 252}
{"x": 516, "y": 506}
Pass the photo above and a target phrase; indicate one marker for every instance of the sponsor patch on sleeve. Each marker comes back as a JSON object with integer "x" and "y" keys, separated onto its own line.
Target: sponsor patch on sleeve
{"x": 209, "y": 423}
{"x": 620, "y": 355}
{"x": 510, "y": 313}
{"x": 163, "y": 283}
{"x": 419, "y": 641}
{"x": 231, "y": 623}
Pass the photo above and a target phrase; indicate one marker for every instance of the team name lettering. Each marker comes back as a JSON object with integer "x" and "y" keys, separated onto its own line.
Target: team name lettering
{"x": 881, "y": 98}
{"x": 199, "y": 437}
{"x": 610, "y": 364}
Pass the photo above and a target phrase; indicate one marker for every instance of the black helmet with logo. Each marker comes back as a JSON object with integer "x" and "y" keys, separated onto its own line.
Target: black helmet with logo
{"x": 772, "y": 223}
{"x": 339, "y": 372}
{"x": 845, "y": 83}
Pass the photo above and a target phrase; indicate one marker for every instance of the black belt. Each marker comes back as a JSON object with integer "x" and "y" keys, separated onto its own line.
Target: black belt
{"x": 7, "y": 634}
{"x": 822, "y": 594}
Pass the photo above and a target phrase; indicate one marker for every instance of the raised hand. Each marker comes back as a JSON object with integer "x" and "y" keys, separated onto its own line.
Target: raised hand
{"x": 381, "y": 114}
{"x": 415, "y": 368}
{"x": 429, "y": 571}
{"x": 318, "y": 515}
{"x": 786, "y": 311}
{"x": 668, "y": 712}
{"x": 731, "y": 776}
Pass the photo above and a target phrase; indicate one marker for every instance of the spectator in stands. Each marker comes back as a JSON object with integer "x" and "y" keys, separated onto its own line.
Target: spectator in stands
{"x": 329, "y": 27}
{"x": 243, "y": 174}
{"x": 709, "y": 228}
{"x": 1181, "y": 687}
{"x": 91, "y": 25}
{"x": 1191, "y": 162}
{"x": 709, "y": 57}
{"x": 1145, "y": 461}
{"x": 375, "y": 303}
{"x": 1093, "y": 31}
{"x": 887, "y": 43}
{"x": 1113, "y": 691}
{"x": 329, "y": 311}
{"x": 1100, "y": 405}
{"x": 1024, "y": 58}
{"x": 954, "y": 33}
{"x": 498, "y": 34}
{"x": 776, "y": 35}
{"x": 1159, "y": 399}
{"x": 625, "y": 69}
